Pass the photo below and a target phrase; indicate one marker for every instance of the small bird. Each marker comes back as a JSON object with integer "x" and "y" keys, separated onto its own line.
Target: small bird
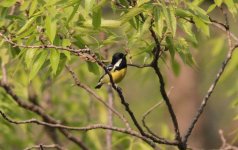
{"x": 117, "y": 68}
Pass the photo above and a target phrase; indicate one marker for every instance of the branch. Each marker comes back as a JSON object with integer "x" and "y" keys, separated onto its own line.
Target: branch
{"x": 127, "y": 108}
{"x": 156, "y": 53}
{"x": 89, "y": 56}
{"x": 91, "y": 92}
{"x": 209, "y": 93}
{"x": 70, "y": 49}
{"x": 139, "y": 66}
{"x": 223, "y": 28}
{"x": 41, "y": 146}
{"x": 217, "y": 24}
{"x": 146, "y": 114}
{"x": 37, "y": 110}
{"x": 87, "y": 128}
{"x": 225, "y": 145}
{"x": 167, "y": 101}
{"x": 123, "y": 101}
{"x": 149, "y": 111}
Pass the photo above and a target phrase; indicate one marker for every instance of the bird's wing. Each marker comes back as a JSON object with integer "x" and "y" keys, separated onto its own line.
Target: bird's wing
{"x": 110, "y": 67}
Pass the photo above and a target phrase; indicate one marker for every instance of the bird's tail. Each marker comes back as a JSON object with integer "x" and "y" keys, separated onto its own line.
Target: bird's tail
{"x": 98, "y": 85}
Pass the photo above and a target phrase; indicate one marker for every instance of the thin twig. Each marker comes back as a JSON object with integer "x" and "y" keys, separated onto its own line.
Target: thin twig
{"x": 223, "y": 28}
{"x": 36, "y": 109}
{"x": 70, "y": 49}
{"x": 213, "y": 85}
{"x": 149, "y": 111}
{"x": 225, "y": 145}
{"x": 139, "y": 66}
{"x": 56, "y": 146}
{"x": 217, "y": 24}
{"x": 87, "y": 128}
{"x": 146, "y": 114}
{"x": 90, "y": 91}
{"x": 209, "y": 93}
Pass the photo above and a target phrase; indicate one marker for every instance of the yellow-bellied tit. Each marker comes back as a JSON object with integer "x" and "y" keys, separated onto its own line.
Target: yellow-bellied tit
{"x": 117, "y": 68}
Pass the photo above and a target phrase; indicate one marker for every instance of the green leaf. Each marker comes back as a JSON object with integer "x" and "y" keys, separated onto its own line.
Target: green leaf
{"x": 89, "y": 5}
{"x": 159, "y": 21}
{"x": 132, "y": 13}
{"x": 62, "y": 63}
{"x": 25, "y": 5}
{"x": 200, "y": 13}
{"x": 27, "y": 25}
{"x": 73, "y": 12}
{"x": 183, "y": 49}
{"x": 183, "y": 13}
{"x": 146, "y": 26}
{"x": 231, "y": 6}
{"x": 93, "y": 68}
{"x": 66, "y": 42}
{"x": 170, "y": 44}
{"x": 187, "y": 28}
{"x": 33, "y": 7}
{"x": 104, "y": 23}
{"x": 218, "y": 2}
{"x": 38, "y": 64}
{"x": 141, "y": 2}
{"x": 29, "y": 56}
{"x": 211, "y": 8}
{"x": 197, "y": 2}
{"x": 51, "y": 27}
{"x": 175, "y": 67}
{"x": 96, "y": 20}
{"x": 67, "y": 54}
{"x": 201, "y": 25}
{"x": 170, "y": 18}
{"x": 54, "y": 60}
{"x": 28, "y": 32}
{"x": 7, "y": 3}
{"x": 173, "y": 20}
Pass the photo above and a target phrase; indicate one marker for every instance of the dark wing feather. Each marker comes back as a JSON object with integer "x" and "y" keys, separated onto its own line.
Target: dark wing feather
{"x": 109, "y": 68}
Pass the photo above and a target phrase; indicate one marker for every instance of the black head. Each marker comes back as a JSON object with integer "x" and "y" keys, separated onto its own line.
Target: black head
{"x": 116, "y": 57}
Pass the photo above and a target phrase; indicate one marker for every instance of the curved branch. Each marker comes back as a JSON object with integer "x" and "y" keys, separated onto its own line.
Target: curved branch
{"x": 42, "y": 146}
{"x": 90, "y": 91}
{"x": 37, "y": 110}
{"x": 209, "y": 93}
{"x": 87, "y": 128}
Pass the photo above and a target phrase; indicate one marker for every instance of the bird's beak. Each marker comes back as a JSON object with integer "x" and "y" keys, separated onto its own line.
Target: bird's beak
{"x": 125, "y": 55}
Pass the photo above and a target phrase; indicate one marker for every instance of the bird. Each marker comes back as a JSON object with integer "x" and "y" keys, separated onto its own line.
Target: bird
{"x": 117, "y": 68}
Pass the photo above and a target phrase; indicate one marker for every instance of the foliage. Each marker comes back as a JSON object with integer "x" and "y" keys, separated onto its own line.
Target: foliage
{"x": 99, "y": 26}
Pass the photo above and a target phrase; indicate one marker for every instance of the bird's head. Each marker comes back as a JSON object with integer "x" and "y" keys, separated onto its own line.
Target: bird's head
{"x": 118, "y": 56}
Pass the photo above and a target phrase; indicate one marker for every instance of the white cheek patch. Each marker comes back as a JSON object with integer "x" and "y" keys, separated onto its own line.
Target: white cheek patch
{"x": 117, "y": 64}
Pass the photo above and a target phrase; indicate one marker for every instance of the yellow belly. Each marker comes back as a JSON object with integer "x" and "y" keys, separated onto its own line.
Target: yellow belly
{"x": 117, "y": 76}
